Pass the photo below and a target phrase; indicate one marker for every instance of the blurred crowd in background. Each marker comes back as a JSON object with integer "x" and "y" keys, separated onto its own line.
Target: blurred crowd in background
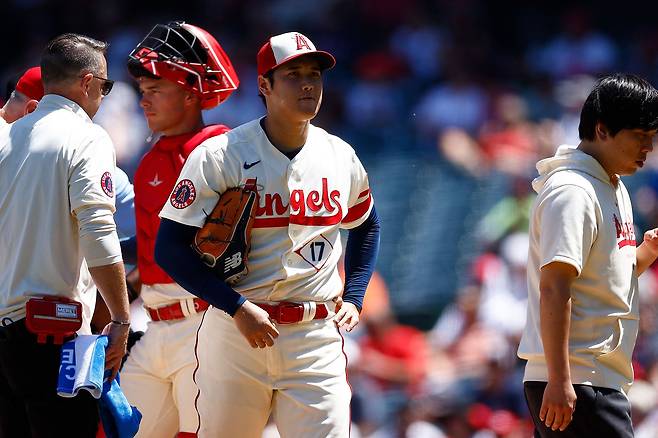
{"x": 449, "y": 104}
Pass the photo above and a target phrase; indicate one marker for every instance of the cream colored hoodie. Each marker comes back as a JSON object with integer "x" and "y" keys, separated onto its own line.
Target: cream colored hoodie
{"x": 581, "y": 218}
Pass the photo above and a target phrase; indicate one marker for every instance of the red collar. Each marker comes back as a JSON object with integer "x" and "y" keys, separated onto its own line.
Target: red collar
{"x": 185, "y": 143}
{"x": 170, "y": 143}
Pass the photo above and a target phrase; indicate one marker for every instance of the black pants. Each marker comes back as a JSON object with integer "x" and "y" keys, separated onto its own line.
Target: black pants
{"x": 29, "y": 404}
{"x": 600, "y": 412}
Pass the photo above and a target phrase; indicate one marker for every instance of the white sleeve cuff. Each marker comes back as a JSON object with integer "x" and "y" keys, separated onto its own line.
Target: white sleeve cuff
{"x": 99, "y": 241}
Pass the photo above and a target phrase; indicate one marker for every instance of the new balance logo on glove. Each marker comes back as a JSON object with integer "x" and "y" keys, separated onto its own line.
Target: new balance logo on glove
{"x": 232, "y": 262}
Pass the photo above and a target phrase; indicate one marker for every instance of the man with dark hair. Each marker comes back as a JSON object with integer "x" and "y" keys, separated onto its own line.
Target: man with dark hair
{"x": 58, "y": 234}
{"x": 272, "y": 345}
{"x": 619, "y": 102}
{"x": 71, "y": 57}
{"x": 69, "y": 54}
{"x": 583, "y": 266}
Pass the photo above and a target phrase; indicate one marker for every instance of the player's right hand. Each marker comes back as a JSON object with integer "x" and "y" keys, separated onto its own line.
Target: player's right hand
{"x": 116, "y": 348}
{"x": 558, "y": 405}
{"x": 347, "y": 315}
{"x": 255, "y": 325}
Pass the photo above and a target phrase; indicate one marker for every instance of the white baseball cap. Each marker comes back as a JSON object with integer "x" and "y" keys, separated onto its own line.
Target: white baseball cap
{"x": 286, "y": 47}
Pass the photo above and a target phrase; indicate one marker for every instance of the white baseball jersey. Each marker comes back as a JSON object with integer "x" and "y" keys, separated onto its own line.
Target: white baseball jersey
{"x": 295, "y": 244}
{"x": 53, "y": 162}
{"x": 582, "y": 219}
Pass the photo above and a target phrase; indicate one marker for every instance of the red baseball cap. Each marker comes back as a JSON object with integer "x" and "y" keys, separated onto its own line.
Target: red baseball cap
{"x": 30, "y": 84}
{"x": 286, "y": 47}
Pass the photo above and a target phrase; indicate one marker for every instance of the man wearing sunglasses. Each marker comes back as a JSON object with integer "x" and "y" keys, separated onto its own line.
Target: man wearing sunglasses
{"x": 106, "y": 84}
{"x": 24, "y": 99}
{"x": 58, "y": 234}
{"x": 181, "y": 70}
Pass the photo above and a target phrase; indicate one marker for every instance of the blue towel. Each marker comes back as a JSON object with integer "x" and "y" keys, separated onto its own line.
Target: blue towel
{"x": 83, "y": 367}
{"x": 120, "y": 420}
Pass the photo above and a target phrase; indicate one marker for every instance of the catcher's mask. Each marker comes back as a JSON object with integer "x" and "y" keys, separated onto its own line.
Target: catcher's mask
{"x": 189, "y": 56}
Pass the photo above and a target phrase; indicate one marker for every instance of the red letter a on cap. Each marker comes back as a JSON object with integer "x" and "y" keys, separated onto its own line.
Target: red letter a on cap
{"x": 301, "y": 42}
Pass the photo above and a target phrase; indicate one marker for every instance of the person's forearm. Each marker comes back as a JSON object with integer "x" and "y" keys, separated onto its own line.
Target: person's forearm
{"x": 645, "y": 257}
{"x": 175, "y": 255}
{"x": 555, "y": 320}
{"x": 110, "y": 281}
{"x": 360, "y": 257}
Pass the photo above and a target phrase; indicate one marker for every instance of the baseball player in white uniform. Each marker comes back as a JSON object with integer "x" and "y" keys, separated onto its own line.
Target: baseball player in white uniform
{"x": 271, "y": 345}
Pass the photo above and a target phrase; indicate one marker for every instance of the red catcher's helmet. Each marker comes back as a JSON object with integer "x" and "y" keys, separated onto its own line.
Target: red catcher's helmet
{"x": 189, "y": 56}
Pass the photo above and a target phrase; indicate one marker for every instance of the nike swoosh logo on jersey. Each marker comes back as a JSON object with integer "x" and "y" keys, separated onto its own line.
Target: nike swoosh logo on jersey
{"x": 249, "y": 166}
{"x": 156, "y": 182}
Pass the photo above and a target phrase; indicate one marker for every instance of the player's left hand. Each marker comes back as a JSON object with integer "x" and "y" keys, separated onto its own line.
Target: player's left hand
{"x": 347, "y": 315}
{"x": 651, "y": 240}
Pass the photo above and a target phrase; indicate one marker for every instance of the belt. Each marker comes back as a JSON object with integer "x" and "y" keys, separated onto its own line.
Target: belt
{"x": 179, "y": 310}
{"x": 289, "y": 313}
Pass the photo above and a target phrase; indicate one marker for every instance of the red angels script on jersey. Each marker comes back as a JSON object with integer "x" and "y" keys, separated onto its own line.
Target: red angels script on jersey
{"x": 301, "y": 42}
{"x": 625, "y": 231}
{"x": 272, "y": 204}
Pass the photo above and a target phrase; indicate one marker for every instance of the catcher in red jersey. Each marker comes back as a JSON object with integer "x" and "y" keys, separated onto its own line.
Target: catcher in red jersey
{"x": 181, "y": 70}
{"x": 270, "y": 343}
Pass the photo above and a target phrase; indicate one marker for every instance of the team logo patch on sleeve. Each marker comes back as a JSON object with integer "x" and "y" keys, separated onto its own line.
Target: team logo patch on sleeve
{"x": 107, "y": 185}
{"x": 183, "y": 195}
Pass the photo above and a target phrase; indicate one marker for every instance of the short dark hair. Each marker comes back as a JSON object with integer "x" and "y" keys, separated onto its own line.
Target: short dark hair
{"x": 619, "y": 101}
{"x": 69, "y": 55}
{"x": 270, "y": 77}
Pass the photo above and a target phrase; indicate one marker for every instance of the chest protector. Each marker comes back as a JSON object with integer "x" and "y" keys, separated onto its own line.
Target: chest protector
{"x": 154, "y": 180}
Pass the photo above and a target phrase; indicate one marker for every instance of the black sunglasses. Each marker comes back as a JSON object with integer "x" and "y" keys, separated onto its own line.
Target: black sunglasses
{"x": 106, "y": 84}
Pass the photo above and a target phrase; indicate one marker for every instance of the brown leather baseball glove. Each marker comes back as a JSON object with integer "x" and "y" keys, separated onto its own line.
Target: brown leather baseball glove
{"x": 224, "y": 241}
